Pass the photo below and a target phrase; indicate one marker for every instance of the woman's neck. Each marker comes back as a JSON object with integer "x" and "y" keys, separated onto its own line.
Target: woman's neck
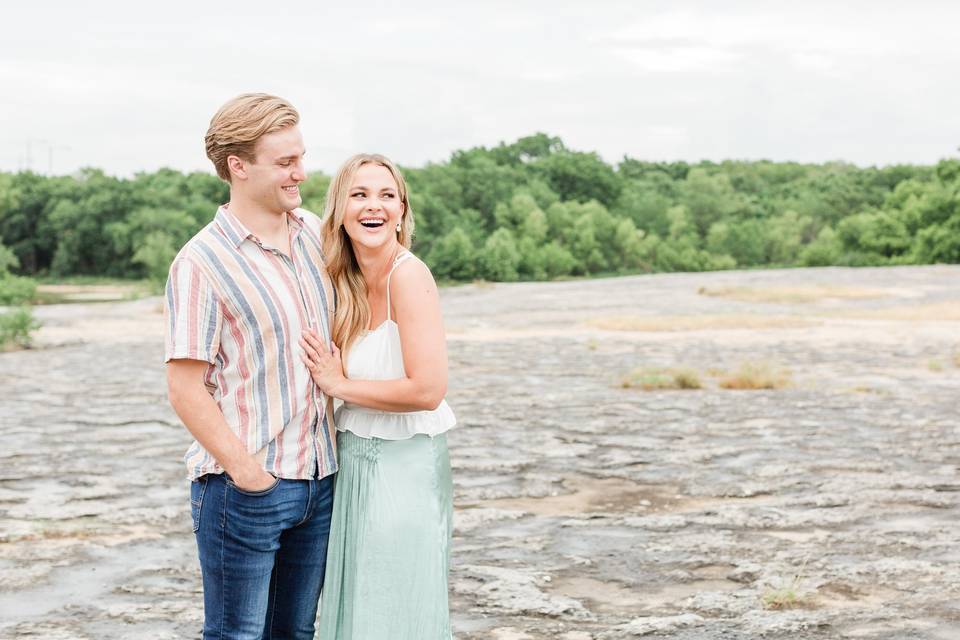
{"x": 375, "y": 263}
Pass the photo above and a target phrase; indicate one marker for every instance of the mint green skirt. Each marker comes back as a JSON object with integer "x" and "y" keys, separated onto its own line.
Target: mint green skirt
{"x": 389, "y": 549}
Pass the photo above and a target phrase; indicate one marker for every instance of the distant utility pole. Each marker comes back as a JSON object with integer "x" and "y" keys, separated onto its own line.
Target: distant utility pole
{"x": 29, "y": 153}
{"x": 51, "y": 147}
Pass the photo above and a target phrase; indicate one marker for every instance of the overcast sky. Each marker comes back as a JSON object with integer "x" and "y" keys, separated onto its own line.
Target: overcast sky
{"x": 130, "y": 86}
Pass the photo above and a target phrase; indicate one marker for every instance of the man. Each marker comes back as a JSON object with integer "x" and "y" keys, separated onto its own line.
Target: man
{"x": 239, "y": 295}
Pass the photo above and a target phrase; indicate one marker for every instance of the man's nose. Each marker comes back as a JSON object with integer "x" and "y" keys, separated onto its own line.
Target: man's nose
{"x": 299, "y": 173}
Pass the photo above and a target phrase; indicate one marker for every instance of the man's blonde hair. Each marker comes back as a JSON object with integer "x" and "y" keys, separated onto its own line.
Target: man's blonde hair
{"x": 236, "y": 127}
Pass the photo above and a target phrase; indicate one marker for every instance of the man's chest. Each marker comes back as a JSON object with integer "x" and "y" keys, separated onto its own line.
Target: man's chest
{"x": 267, "y": 290}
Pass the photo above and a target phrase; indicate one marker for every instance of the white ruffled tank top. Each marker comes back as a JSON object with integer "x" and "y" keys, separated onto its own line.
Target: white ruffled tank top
{"x": 376, "y": 355}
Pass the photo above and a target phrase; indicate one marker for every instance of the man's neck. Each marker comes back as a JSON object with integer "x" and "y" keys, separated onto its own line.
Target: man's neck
{"x": 270, "y": 227}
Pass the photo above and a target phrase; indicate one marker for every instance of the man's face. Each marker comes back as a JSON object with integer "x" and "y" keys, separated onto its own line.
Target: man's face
{"x": 273, "y": 178}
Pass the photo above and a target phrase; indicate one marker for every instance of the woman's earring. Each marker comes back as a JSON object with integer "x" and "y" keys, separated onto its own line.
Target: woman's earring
{"x": 398, "y": 227}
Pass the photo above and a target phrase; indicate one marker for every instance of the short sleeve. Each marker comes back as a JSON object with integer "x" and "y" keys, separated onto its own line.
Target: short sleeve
{"x": 191, "y": 313}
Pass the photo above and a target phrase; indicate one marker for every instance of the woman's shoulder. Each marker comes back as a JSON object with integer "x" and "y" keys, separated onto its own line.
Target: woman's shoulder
{"x": 410, "y": 273}
{"x": 408, "y": 262}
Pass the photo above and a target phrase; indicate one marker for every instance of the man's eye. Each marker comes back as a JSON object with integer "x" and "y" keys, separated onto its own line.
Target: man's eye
{"x": 285, "y": 164}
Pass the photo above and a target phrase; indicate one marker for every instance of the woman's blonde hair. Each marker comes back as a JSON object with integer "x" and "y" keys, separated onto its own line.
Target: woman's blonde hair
{"x": 353, "y": 311}
{"x": 236, "y": 127}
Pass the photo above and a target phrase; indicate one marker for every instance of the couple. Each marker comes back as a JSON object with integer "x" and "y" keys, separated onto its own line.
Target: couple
{"x": 271, "y": 313}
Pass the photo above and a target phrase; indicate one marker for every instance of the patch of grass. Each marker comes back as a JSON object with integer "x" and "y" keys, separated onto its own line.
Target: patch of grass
{"x": 788, "y": 596}
{"x": 791, "y": 295}
{"x": 784, "y": 598}
{"x": 756, "y": 375}
{"x": 651, "y": 379}
{"x": 592, "y": 344}
{"x": 16, "y": 290}
{"x": 87, "y": 281}
{"x": 16, "y": 327}
{"x": 934, "y": 365}
{"x": 934, "y": 312}
{"x": 106, "y": 291}
{"x": 863, "y": 389}
{"x": 956, "y": 358}
{"x": 696, "y": 323}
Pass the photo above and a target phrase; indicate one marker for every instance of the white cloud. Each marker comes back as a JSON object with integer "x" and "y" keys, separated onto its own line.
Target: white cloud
{"x": 679, "y": 59}
{"x": 867, "y": 82}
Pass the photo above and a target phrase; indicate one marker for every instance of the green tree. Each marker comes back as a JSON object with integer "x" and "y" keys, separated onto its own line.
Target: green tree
{"x": 645, "y": 205}
{"x": 16, "y": 323}
{"x": 555, "y": 260}
{"x": 938, "y": 243}
{"x": 454, "y": 256}
{"x": 745, "y": 241}
{"x": 499, "y": 258}
{"x": 786, "y": 236}
{"x": 874, "y": 235}
{"x": 155, "y": 253}
{"x": 8, "y": 260}
{"x": 709, "y": 199}
{"x": 81, "y": 222}
{"x": 580, "y": 176}
{"x": 527, "y": 149}
{"x": 825, "y": 250}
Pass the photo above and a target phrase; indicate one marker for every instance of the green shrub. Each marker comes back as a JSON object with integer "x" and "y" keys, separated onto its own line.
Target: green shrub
{"x": 499, "y": 257}
{"x": 15, "y": 290}
{"x": 155, "y": 254}
{"x": 823, "y": 251}
{"x": 16, "y": 325}
{"x": 8, "y": 260}
{"x": 653, "y": 378}
{"x": 756, "y": 375}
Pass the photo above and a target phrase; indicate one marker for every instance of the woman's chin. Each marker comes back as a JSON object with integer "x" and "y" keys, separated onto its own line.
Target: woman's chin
{"x": 370, "y": 241}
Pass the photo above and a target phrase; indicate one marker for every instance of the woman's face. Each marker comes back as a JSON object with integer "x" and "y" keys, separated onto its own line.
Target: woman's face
{"x": 373, "y": 207}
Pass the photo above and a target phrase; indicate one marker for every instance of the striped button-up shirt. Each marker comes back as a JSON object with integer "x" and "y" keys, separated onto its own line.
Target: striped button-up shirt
{"x": 241, "y": 306}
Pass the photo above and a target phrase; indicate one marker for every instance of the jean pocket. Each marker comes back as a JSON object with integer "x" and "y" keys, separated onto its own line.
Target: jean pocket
{"x": 252, "y": 494}
{"x": 197, "y": 488}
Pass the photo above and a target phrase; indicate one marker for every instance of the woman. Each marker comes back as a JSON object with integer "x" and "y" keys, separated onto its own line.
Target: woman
{"x": 387, "y": 562}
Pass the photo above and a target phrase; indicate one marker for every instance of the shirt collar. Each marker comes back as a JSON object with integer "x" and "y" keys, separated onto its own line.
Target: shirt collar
{"x": 236, "y": 232}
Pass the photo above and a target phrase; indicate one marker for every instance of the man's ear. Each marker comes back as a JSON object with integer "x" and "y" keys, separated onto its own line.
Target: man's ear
{"x": 237, "y": 167}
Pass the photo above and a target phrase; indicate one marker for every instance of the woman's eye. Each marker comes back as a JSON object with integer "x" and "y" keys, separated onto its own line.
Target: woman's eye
{"x": 358, "y": 194}
{"x": 388, "y": 195}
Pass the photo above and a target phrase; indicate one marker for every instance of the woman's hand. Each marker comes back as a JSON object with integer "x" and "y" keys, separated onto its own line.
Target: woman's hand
{"x": 325, "y": 367}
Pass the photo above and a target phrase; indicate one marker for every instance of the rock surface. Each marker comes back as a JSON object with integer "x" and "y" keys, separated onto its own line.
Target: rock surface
{"x": 583, "y": 509}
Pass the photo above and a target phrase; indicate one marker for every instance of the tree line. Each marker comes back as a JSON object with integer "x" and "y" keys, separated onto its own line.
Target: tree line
{"x": 532, "y": 209}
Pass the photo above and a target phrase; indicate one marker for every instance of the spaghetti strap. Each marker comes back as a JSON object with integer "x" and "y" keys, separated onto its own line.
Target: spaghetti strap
{"x": 396, "y": 263}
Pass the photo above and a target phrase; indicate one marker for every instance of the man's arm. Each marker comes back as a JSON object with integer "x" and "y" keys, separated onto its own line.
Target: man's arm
{"x": 199, "y": 412}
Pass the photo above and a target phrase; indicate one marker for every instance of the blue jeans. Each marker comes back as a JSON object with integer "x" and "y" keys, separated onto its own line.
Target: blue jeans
{"x": 262, "y": 556}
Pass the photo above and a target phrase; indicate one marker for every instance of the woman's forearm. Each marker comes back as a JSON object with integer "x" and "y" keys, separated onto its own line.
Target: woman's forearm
{"x": 400, "y": 395}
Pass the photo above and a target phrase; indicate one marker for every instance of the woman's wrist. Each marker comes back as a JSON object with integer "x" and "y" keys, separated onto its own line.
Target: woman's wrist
{"x": 339, "y": 388}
